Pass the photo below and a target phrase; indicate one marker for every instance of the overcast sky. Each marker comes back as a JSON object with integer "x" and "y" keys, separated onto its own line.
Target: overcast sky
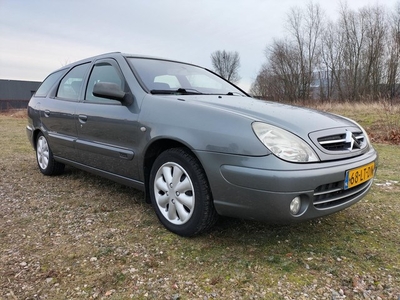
{"x": 39, "y": 36}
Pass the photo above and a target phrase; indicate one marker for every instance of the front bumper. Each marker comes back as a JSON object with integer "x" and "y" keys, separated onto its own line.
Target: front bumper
{"x": 262, "y": 188}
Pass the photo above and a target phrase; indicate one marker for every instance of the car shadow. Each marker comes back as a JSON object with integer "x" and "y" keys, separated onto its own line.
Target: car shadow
{"x": 231, "y": 231}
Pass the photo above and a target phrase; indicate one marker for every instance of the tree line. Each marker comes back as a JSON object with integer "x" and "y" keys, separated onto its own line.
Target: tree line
{"x": 355, "y": 57}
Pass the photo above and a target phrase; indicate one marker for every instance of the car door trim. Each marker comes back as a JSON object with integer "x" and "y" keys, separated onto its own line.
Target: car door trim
{"x": 104, "y": 149}
{"x": 62, "y": 139}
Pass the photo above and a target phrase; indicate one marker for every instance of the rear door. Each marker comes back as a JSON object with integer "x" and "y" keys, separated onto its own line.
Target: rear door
{"x": 107, "y": 129}
{"x": 58, "y": 112}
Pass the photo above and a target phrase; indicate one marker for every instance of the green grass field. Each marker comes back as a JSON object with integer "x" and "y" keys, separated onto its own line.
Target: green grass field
{"x": 78, "y": 236}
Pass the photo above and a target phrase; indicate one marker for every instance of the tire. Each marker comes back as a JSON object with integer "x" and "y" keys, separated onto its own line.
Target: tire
{"x": 180, "y": 193}
{"x": 44, "y": 157}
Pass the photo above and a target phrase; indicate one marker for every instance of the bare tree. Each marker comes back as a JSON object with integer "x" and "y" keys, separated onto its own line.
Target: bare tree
{"x": 393, "y": 54}
{"x": 363, "y": 39}
{"x": 305, "y": 27}
{"x": 226, "y": 64}
{"x": 332, "y": 61}
{"x": 356, "y": 57}
{"x": 284, "y": 66}
{"x": 259, "y": 88}
{"x": 267, "y": 86}
{"x": 292, "y": 62}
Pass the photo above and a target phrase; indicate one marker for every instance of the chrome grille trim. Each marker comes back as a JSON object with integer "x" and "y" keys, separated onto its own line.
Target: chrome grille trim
{"x": 331, "y": 195}
{"x": 341, "y": 142}
{"x": 325, "y": 141}
{"x": 327, "y": 192}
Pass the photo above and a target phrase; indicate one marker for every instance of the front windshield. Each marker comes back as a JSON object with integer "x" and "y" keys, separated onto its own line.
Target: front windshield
{"x": 166, "y": 77}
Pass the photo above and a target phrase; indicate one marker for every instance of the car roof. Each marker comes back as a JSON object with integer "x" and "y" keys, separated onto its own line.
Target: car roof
{"x": 126, "y": 55}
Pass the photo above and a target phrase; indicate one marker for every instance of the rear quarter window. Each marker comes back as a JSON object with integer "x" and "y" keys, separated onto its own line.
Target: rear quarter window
{"x": 48, "y": 83}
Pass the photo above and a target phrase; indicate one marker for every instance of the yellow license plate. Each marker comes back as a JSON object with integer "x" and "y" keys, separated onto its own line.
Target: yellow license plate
{"x": 359, "y": 175}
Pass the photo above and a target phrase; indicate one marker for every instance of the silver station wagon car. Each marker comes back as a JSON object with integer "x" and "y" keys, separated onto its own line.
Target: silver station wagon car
{"x": 197, "y": 145}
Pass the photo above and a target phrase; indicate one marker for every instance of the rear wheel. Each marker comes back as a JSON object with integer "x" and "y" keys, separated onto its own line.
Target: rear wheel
{"x": 44, "y": 156}
{"x": 180, "y": 193}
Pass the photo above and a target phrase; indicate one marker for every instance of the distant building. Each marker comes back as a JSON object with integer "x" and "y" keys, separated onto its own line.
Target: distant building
{"x": 15, "y": 94}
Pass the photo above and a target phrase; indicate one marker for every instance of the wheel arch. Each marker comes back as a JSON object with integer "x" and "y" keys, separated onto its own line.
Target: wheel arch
{"x": 155, "y": 149}
{"x": 35, "y": 134}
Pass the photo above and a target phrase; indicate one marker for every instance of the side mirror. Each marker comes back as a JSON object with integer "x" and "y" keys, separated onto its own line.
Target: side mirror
{"x": 108, "y": 90}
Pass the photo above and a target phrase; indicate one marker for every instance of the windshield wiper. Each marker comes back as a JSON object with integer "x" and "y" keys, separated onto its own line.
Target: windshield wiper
{"x": 180, "y": 91}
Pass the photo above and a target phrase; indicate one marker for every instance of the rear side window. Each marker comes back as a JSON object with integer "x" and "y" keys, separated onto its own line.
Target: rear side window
{"x": 70, "y": 85}
{"x": 48, "y": 83}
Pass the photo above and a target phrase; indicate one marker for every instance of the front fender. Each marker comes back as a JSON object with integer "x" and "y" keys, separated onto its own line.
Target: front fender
{"x": 200, "y": 127}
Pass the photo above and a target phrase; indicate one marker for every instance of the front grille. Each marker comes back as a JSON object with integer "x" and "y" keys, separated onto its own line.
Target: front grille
{"x": 341, "y": 142}
{"x": 331, "y": 195}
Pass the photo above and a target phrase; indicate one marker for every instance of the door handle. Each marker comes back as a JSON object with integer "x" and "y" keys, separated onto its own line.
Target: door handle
{"x": 47, "y": 113}
{"x": 82, "y": 118}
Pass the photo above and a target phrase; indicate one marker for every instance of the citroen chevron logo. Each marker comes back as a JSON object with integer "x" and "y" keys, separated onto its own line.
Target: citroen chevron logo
{"x": 357, "y": 144}
{"x": 349, "y": 139}
{"x": 352, "y": 140}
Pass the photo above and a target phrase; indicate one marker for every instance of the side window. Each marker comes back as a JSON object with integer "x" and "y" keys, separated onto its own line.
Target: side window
{"x": 71, "y": 84}
{"x": 103, "y": 72}
{"x": 48, "y": 83}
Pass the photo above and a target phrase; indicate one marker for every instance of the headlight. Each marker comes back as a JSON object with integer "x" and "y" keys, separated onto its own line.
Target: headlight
{"x": 284, "y": 144}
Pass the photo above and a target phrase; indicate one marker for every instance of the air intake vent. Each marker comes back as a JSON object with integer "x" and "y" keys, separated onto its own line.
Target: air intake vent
{"x": 331, "y": 195}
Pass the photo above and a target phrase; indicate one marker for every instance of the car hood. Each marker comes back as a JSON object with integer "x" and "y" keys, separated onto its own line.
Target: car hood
{"x": 298, "y": 120}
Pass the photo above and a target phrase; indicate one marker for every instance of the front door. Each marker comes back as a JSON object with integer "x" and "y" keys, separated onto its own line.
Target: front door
{"x": 107, "y": 129}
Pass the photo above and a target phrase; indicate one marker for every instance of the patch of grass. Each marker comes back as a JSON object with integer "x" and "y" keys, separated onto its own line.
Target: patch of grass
{"x": 380, "y": 119}
{"x": 81, "y": 236}
{"x": 13, "y": 131}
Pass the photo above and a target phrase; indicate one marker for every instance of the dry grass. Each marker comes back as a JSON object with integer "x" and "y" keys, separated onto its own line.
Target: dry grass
{"x": 380, "y": 119}
{"x": 80, "y": 236}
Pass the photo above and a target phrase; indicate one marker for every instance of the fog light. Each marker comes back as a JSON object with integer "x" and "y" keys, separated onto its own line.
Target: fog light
{"x": 295, "y": 206}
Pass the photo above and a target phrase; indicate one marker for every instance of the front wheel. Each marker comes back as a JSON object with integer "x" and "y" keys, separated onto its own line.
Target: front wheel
{"x": 180, "y": 193}
{"x": 45, "y": 160}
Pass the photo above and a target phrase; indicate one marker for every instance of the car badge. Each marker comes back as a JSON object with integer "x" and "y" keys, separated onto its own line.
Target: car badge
{"x": 349, "y": 139}
{"x": 352, "y": 140}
